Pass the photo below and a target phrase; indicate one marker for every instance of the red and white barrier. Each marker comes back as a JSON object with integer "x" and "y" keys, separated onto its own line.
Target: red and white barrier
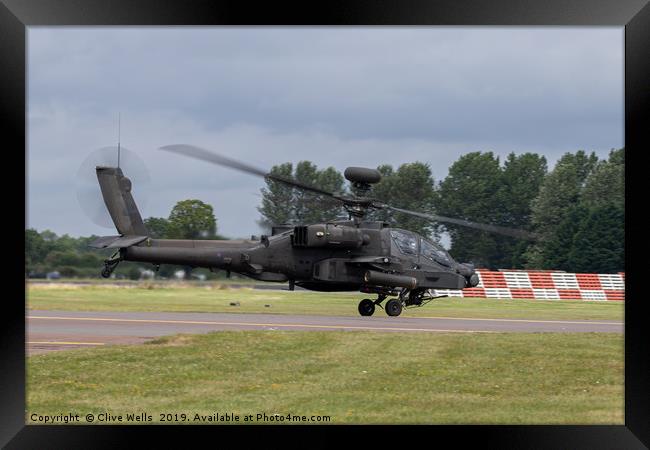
{"x": 546, "y": 285}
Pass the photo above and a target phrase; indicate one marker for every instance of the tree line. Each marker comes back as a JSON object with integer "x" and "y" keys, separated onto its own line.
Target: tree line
{"x": 72, "y": 257}
{"x": 577, "y": 210}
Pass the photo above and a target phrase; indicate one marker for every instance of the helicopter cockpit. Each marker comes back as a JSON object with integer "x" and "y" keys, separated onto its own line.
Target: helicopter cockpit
{"x": 435, "y": 253}
{"x": 406, "y": 242}
{"x": 411, "y": 244}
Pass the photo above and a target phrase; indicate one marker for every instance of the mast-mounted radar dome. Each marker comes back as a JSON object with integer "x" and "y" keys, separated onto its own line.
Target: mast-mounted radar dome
{"x": 362, "y": 175}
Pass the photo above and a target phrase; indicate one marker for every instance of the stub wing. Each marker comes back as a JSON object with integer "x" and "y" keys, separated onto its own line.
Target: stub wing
{"x": 116, "y": 241}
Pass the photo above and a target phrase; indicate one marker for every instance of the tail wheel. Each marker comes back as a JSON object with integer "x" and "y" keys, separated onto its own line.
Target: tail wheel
{"x": 366, "y": 307}
{"x": 393, "y": 307}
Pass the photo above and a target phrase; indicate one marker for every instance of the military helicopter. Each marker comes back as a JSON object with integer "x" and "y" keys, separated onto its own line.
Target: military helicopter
{"x": 336, "y": 256}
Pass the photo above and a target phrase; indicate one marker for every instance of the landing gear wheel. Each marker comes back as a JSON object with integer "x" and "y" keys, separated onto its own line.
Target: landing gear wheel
{"x": 366, "y": 307}
{"x": 393, "y": 307}
{"x": 106, "y": 272}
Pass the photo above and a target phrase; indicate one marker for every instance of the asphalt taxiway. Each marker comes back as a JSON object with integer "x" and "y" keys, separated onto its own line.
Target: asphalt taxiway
{"x": 57, "y": 330}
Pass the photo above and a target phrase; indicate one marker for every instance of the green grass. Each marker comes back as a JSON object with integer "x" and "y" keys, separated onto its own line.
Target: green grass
{"x": 354, "y": 377}
{"x": 217, "y": 298}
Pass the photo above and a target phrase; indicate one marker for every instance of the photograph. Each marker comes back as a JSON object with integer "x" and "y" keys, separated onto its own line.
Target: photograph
{"x": 273, "y": 225}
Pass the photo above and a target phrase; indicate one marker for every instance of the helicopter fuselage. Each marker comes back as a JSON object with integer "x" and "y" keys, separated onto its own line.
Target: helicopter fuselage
{"x": 353, "y": 255}
{"x": 334, "y": 256}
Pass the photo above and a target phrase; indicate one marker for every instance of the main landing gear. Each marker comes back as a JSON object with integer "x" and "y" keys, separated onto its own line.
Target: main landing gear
{"x": 406, "y": 298}
{"x": 367, "y": 306}
{"x": 394, "y": 307}
{"x": 110, "y": 264}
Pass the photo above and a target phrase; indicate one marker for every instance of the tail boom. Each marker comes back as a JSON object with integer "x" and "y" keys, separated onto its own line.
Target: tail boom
{"x": 212, "y": 258}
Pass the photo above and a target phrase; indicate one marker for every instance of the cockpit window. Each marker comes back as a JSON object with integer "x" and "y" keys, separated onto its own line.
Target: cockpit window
{"x": 434, "y": 253}
{"x": 406, "y": 242}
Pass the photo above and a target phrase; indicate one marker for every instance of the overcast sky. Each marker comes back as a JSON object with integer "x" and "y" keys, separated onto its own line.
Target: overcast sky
{"x": 334, "y": 96}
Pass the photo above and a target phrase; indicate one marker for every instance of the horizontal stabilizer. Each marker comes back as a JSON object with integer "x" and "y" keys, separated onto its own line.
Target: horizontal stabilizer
{"x": 116, "y": 241}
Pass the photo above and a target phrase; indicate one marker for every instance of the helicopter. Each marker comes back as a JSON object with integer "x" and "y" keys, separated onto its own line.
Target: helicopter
{"x": 336, "y": 256}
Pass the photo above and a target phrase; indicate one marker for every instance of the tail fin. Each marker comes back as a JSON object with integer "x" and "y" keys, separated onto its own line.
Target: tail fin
{"x": 116, "y": 190}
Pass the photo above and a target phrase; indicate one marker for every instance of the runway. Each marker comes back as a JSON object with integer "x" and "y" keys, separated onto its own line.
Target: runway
{"x": 58, "y": 330}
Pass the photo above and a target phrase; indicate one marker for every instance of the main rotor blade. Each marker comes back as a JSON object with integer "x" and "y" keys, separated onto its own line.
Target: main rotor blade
{"x": 206, "y": 155}
{"x": 514, "y": 232}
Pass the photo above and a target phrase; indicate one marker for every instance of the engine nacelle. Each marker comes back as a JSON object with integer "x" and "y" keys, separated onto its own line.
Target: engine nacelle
{"x": 328, "y": 235}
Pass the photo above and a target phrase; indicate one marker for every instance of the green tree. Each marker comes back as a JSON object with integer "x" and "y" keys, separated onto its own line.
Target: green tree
{"x": 49, "y": 236}
{"x": 605, "y": 186}
{"x": 599, "y": 238}
{"x": 66, "y": 243}
{"x": 83, "y": 244}
{"x": 559, "y": 193}
{"x": 521, "y": 178}
{"x": 557, "y": 246}
{"x": 304, "y": 201}
{"x": 158, "y": 227}
{"x": 192, "y": 219}
{"x": 598, "y": 245}
{"x": 277, "y": 198}
{"x": 472, "y": 191}
{"x": 284, "y": 204}
{"x": 34, "y": 249}
{"x": 384, "y": 191}
{"x": 72, "y": 257}
{"x": 58, "y": 258}
{"x": 322, "y": 208}
{"x": 412, "y": 187}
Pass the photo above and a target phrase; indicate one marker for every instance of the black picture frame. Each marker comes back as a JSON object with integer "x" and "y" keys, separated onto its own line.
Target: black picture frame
{"x": 634, "y": 15}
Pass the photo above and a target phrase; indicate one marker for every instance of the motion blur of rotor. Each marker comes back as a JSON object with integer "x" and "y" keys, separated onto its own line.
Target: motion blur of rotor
{"x": 357, "y": 204}
{"x": 88, "y": 192}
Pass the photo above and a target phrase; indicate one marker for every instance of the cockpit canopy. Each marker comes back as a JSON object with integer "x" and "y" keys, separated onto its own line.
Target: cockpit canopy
{"x": 412, "y": 244}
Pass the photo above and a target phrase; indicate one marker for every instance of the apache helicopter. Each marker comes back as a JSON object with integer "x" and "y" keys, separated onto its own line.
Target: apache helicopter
{"x": 342, "y": 255}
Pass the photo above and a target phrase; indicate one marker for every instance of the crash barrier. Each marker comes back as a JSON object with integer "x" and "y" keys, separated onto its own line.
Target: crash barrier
{"x": 541, "y": 284}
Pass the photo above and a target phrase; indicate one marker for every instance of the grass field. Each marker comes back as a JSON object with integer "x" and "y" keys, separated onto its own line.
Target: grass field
{"x": 353, "y": 377}
{"x": 217, "y": 298}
